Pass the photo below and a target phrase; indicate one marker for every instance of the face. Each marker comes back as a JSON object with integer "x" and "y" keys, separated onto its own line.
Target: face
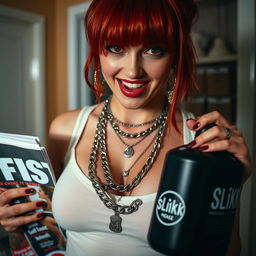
{"x": 136, "y": 75}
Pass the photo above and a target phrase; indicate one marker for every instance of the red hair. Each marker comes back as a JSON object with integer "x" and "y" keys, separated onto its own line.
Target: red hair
{"x": 146, "y": 22}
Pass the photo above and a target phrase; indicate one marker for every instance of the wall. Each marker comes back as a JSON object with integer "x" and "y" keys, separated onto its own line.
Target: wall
{"x": 55, "y": 13}
{"x": 61, "y": 52}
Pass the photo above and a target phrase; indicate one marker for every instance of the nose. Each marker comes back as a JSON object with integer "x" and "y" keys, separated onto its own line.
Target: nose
{"x": 134, "y": 66}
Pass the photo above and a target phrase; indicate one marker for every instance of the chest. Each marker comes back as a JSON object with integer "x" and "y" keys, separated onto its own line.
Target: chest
{"x": 144, "y": 165}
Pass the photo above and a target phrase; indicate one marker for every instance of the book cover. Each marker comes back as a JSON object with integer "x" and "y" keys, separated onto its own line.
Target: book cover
{"x": 25, "y": 163}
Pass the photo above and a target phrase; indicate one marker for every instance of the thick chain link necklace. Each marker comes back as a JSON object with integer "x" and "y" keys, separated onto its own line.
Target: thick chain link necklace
{"x": 100, "y": 142}
{"x": 129, "y": 150}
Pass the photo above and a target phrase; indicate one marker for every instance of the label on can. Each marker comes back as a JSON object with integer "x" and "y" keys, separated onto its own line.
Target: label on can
{"x": 170, "y": 208}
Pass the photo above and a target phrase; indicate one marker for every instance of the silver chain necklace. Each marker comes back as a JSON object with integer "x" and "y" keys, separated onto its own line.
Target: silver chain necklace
{"x": 100, "y": 141}
{"x": 129, "y": 150}
{"x": 126, "y": 172}
{"x": 128, "y": 124}
{"x": 138, "y": 134}
{"x": 104, "y": 159}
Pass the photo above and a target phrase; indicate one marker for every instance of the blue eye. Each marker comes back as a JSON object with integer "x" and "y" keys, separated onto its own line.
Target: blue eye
{"x": 114, "y": 49}
{"x": 155, "y": 51}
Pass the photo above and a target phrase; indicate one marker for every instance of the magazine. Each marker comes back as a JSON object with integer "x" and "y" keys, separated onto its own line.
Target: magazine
{"x": 24, "y": 163}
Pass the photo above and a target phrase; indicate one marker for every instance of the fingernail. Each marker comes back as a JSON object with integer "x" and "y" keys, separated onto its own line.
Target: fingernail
{"x": 197, "y": 125}
{"x": 190, "y": 119}
{"x": 41, "y": 204}
{"x": 202, "y": 148}
{"x": 40, "y": 215}
{"x": 30, "y": 191}
{"x": 191, "y": 144}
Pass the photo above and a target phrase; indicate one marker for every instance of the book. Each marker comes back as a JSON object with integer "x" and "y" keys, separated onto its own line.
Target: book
{"x": 24, "y": 162}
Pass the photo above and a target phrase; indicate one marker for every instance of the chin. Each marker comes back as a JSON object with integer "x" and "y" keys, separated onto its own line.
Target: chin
{"x": 135, "y": 103}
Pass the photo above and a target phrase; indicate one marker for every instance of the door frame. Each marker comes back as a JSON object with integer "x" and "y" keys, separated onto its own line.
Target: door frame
{"x": 75, "y": 90}
{"x": 246, "y": 117}
{"x": 37, "y": 66}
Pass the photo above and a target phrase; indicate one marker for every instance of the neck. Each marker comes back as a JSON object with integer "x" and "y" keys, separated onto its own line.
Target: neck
{"x": 134, "y": 115}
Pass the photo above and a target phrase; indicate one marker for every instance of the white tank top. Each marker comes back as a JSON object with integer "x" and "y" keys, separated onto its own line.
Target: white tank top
{"x": 78, "y": 209}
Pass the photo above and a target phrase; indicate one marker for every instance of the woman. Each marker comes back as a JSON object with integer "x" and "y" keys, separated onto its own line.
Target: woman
{"x": 143, "y": 52}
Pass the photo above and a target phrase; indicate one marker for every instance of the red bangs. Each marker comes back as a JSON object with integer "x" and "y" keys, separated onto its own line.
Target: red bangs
{"x": 164, "y": 23}
{"x": 131, "y": 22}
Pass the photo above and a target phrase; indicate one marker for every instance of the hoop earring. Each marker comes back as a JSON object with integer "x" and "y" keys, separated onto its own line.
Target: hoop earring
{"x": 171, "y": 91}
{"x": 96, "y": 75}
{"x": 98, "y": 85}
{"x": 97, "y": 78}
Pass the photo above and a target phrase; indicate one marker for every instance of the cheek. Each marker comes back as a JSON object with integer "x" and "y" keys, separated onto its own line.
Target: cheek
{"x": 160, "y": 70}
{"x": 108, "y": 66}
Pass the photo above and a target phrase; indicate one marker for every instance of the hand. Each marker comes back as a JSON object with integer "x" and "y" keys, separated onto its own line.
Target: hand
{"x": 10, "y": 217}
{"x": 220, "y": 138}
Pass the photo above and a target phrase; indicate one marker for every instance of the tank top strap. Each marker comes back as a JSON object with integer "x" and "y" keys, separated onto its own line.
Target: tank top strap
{"x": 188, "y": 134}
{"x": 79, "y": 126}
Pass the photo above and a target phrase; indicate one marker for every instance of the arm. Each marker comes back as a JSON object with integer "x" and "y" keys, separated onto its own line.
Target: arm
{"x": 216, "y": 139}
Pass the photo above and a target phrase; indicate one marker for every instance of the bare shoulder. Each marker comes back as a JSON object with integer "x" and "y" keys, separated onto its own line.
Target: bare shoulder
{"x": 59, "y": 136}
{"x": 64, "y": 123}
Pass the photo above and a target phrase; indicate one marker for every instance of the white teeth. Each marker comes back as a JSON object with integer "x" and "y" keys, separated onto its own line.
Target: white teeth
{"x": 132, "y": 85}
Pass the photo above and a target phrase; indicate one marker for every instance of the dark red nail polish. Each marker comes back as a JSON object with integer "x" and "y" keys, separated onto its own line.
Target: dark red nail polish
{"x": 197, "y": 125}
{"x": 41, "y": 204}
{"x": 191, "y": 144}
{"x": 40, "y": 215}
{"x": 30, "y": 191}
{"x": 202, "y": 148}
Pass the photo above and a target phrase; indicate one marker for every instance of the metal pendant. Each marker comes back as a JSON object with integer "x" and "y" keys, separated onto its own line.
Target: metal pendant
{"x": 129, "y": 152}
{"x": 125, "y": 173}
{"x": 115, "y": 223}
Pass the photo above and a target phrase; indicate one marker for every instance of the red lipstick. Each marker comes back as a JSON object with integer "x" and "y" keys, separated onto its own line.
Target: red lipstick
{"x": 132, "y": 92}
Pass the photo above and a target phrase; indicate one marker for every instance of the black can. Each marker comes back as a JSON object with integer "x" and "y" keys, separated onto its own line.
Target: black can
{"x": 196, "y": 203}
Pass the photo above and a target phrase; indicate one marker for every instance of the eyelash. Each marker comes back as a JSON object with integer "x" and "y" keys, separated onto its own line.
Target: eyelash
{"x": 161, "y": 51}
{"x": 109, "y": 48}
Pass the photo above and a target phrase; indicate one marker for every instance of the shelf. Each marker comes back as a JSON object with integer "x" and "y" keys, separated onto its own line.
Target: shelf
{"x": 200, "y": 2}
{"x": 206, "y": 59}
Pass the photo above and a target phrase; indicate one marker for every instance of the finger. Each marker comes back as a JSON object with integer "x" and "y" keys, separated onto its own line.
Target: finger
{"x": 2, "y": 190}
{"x": 190, "y": 123}
{"x": 12, "y": 224}
{"x": 212, "y": 117}
{"x": 20, "y": 209}
{"x": 220, "y": 145}
{"x": 232, "y": 146}
{"x": 216, "y": 132}
{"x": 8, "y": 195}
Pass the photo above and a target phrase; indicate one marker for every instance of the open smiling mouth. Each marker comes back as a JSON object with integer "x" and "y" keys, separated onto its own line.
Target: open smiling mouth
{"x": 132, "y": 88}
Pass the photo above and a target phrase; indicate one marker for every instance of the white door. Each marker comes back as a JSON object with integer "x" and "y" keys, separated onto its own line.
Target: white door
{"x": 21, "y": 74}
{"x": 16, "y": 101}
{"x": 21, "y": 109}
